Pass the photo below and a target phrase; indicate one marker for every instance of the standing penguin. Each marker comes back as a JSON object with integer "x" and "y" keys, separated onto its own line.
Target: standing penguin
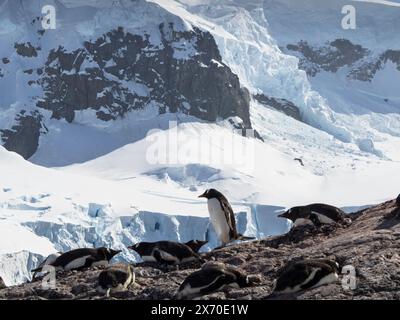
{"x": 213, "y": 277}
{"x": 315, "y": 214}
{"x": 117, "y": 277}
{"x": 167, "y": 252}
{"x": 222, "y": 217}
{"x": 46, "y": 262}
{"x": 195, "y": 245}
{"x": 79, "y": 259}
{"x": 306, "y": 274}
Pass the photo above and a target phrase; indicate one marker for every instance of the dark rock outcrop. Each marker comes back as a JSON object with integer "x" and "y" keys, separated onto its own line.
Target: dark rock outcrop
{"x": 2, "y": 284}
{"x": 120, "y": 72}
{"x": 369, "y": 246}
{"x": 363, "y": 63}
{"x": 26, "y": 49}
{"x": 282, "y": 105}
{"x": 332, "y": 57}
{"x": 367, "y": 70}
{"x": 23, "y": 137}
{"x": 127, "y": 72}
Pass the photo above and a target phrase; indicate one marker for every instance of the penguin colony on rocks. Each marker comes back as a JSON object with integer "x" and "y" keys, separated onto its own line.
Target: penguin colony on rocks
{"x": 213, "y": 276}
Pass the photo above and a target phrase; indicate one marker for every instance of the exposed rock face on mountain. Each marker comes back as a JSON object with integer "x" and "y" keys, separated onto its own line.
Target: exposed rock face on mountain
{"x": 282, "y": 105}
{"x": 173, "y": 67}
{"x": 26, "y": 49}
{"x": 23, "y": 137}
{"x": 363, "y": 64}
{"x": 370, "y": 244}
{"x": 2, "y": 284}
{"x": 120, "y": 72}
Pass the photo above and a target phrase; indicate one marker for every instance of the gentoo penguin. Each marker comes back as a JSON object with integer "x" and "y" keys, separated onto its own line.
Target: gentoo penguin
{"x": 306, "y": 274}
{"x": 117, "y": 277}
{"x": 315, "y": 214}
{"x": 167, "y": 252}
{"x": 213, "y": 277}
{"x": 79, "y": 259}
{"x": 222, "y": 217}
{"x": 46, "y": 262}
{"x": 195, "y": 245}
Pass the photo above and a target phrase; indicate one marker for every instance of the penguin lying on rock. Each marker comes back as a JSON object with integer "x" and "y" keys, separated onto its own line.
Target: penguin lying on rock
{"x": 166, "y": 252}
{"x": 213, "y": 277}
{"x": 222, "y": 217}
{"x": 306, "y": 274}
{"x": 117, "y": 277}
{"x": 46, "y": 262}
{"x": 315, "y": 214}
{"x": 79, "y": 259}
{"x": 195, "y": 245}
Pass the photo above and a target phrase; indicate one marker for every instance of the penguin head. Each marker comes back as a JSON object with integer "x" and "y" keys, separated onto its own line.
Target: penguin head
{"x": 195, "y": 245}
{"x": 294, "y": 213}
{"x": 109, "y": 253}
{"x": 137, "y": 247}
{"x": 210, "y": 193}
{"x": 336, "y": 262}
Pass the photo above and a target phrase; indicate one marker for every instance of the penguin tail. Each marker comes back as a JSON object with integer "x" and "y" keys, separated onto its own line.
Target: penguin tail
{"x": 242, "y": 237}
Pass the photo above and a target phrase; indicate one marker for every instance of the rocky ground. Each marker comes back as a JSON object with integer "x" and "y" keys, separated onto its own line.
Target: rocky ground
{"x": 370, "y": 244}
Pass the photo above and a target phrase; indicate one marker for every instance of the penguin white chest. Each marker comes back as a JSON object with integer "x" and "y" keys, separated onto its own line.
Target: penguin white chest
{"x": 218, "y": 220}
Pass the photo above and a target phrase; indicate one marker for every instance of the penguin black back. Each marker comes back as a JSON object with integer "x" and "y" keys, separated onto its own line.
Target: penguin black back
{"x": 314, "y": 212}
{"x": 305, "y": 274}
{"x": 78, "y": 259}
{"x": 211, "y": 278}
{"x": 165, "y": 251}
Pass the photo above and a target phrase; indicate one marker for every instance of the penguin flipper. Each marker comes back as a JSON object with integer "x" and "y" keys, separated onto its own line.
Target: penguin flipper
{"x": 36, "y": 270}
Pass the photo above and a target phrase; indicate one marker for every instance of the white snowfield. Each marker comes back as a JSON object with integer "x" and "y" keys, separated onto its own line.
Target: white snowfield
{"x": 93, "y": 183}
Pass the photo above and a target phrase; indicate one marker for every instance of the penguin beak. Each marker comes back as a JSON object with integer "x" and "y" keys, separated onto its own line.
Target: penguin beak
{"x": 283, "y": 215}
{"x": 115, "y": 252}
{"x": 132, "y": 248}
{"x": 202, "y": 195}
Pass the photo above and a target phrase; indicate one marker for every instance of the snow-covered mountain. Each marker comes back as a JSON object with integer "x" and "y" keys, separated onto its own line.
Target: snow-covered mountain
{"x": 80, "y": 103}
